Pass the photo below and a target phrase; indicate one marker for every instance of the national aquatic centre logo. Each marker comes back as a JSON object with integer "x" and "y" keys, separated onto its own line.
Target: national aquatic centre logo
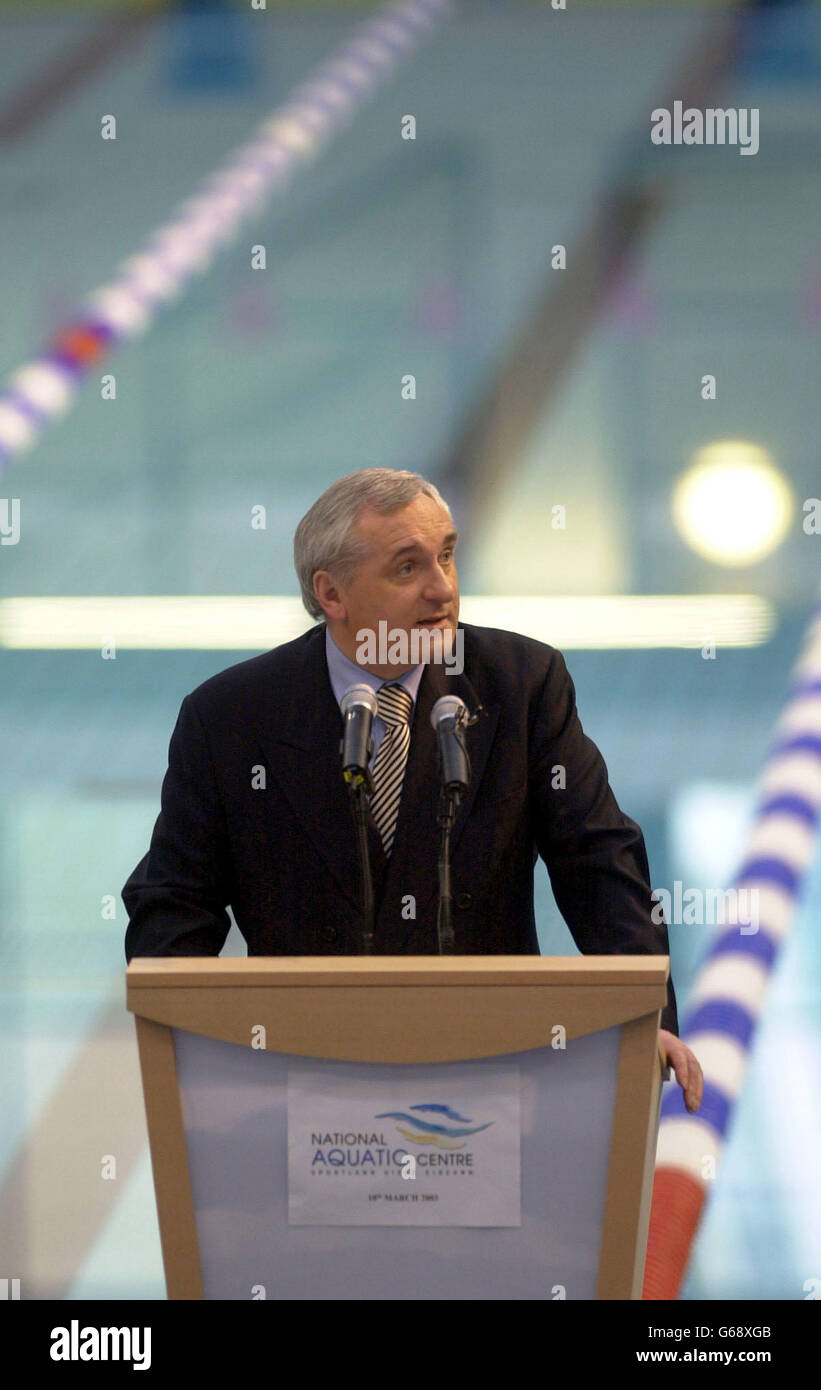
{"x": 439, "y": 1128}
{"x": 443, "y": 1136}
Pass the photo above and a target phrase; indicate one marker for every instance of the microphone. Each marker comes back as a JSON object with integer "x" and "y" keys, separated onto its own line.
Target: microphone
{"x": 449, "y": 717}
{"x": 358, "y": 706}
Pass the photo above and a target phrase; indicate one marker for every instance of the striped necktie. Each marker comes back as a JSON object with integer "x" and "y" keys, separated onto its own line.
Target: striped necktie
{"x": 394, "y": 705}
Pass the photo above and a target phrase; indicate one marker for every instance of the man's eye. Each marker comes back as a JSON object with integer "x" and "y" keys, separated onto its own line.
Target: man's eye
{"x": 407, "y": 565}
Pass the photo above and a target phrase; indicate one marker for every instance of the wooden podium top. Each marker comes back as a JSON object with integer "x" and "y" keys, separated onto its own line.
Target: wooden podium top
{"x": 175, "y": 972}
{"x": 394, "y": 1007}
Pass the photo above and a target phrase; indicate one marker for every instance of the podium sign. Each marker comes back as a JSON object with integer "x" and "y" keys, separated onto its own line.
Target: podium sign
{"x": 365, "y": 1150}
{"x": 401, "y": 1127}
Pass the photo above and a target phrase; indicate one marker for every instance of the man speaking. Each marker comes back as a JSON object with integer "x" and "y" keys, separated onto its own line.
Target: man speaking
{"x": 255, "y": 812}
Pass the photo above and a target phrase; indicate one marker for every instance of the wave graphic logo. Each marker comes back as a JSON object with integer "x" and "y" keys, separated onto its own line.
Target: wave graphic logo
{"x": 436, "y": 1132}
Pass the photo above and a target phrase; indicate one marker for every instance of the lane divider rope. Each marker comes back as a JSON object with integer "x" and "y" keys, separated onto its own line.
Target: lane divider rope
{"x": 731, "y": 984}
{"x": 293, "y": 135}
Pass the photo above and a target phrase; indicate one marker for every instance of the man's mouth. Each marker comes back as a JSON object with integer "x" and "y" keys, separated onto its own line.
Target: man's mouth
{"x": 433, "y": 622}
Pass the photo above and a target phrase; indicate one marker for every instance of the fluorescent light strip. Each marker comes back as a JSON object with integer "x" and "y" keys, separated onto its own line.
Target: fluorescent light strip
{"x": 600, "y": 622}
{"x": 259, "y": 622}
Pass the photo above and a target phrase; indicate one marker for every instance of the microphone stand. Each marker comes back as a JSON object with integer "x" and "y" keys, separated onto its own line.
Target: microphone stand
{"x": 358, "y": 789}
{"x": 454, "y": 767}
{"x": 355, "y": 750}
{"x": 448, "y": 803}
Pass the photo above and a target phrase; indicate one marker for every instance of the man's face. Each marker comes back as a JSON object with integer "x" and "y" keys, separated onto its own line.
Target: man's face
{"x": 407, "y": 579}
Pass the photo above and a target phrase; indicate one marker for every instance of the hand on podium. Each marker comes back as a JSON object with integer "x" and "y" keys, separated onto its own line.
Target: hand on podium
{"x": 676, "y": 1054}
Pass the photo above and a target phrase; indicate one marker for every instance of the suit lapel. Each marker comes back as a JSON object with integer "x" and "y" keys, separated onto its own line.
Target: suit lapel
{"x": 301, "y": 741}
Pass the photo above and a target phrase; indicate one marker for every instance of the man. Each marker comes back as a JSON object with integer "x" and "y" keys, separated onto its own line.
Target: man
{"x": 255, "y": 811}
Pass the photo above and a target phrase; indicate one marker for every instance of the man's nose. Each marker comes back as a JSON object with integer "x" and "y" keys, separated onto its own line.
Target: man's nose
{"x": 441, "y": 587}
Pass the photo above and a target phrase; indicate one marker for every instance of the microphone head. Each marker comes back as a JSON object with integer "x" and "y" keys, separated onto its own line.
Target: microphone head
{"x": 448, "y": 706}
{"x": 358, "y": 695}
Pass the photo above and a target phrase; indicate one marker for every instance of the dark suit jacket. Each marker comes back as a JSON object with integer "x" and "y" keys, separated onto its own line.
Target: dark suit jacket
{"x": 284, "y": 855}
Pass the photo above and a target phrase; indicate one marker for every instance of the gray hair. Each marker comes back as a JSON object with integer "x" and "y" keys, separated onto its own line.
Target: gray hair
{"x": 323, "y": 539}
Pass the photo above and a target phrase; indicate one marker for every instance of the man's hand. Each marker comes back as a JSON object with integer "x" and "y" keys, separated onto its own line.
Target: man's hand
{"x": 676, "y": 1054}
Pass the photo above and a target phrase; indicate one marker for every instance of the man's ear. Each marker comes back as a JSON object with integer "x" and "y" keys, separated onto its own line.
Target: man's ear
{"x": 328, "y": 596}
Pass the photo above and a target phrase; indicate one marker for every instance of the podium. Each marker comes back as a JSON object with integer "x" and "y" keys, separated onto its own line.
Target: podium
{"x": 401, "y": 1127}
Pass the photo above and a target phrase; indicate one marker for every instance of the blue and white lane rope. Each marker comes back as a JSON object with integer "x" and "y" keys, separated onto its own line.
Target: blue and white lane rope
{"x": 292, "y": 136}
{"x": 727, "y": 997}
